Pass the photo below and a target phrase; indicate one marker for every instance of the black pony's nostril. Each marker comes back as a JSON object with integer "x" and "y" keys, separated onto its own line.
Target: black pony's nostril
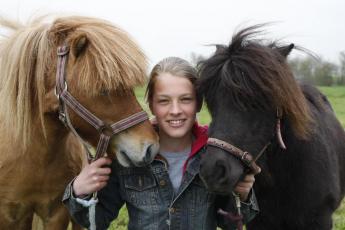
{"x": 221, "y": 172}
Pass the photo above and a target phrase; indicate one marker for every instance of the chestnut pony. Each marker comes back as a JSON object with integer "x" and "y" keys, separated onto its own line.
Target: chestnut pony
{"x": 38, "y": 154}
{"x": 262, "y": 116}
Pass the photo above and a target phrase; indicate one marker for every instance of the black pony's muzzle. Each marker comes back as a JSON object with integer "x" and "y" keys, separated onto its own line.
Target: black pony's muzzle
{"x": 219, "y": 175}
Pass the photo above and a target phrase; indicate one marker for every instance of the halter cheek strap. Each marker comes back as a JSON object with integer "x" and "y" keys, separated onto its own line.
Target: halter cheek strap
{"x": 67, "y": 100}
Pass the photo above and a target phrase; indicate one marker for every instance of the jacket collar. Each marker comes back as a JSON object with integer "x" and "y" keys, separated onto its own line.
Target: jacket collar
{"x": 200, "y": 135}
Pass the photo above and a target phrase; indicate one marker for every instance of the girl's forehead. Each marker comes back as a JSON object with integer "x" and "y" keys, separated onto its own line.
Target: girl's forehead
{"x": 170, "y": 79}
{"x": 167, "y": 83}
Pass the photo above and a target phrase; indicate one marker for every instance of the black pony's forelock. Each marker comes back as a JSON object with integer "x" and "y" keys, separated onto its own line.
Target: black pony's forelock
{"x": 233, "y": 70}
{"x": 251, "y": 73}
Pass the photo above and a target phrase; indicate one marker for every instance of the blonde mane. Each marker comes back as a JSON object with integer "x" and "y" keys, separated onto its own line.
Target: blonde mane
{"x": 111, "y": 61}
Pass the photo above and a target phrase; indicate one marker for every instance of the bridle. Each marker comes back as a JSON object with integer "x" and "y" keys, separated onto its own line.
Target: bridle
{"x": 105, "y": 130}
{"x": 245, "y": 157}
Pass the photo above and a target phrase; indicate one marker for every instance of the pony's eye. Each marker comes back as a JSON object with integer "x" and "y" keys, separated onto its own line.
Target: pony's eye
{"x": 104, "y": 92}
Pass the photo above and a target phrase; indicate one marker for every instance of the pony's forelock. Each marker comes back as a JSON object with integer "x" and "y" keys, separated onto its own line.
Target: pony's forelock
{"x": 111, "y": 60}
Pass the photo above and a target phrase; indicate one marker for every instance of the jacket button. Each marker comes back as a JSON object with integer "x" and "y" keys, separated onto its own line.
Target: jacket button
{"x": 172, "y": 210}
{"x": 162, "y": 182}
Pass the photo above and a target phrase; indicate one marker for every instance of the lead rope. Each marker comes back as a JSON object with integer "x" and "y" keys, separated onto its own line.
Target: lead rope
{"x": 91, "y": 205}
{"x": 234, "y": 218}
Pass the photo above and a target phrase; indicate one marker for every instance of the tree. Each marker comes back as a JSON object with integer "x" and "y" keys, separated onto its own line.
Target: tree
{"x": 303, "y": 69}
{"x": 324, "y": 73}
{"x": 341, "y": 80}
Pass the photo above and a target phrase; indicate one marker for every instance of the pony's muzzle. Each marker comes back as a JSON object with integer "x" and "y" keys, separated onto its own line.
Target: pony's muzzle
{"x": 149, "y": 153}
{"x": 217, "y": 175}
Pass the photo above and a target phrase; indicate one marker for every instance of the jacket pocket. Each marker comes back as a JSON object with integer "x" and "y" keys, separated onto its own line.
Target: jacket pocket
{"x": 140, "y": 182}
{"x": 141, "y": 190}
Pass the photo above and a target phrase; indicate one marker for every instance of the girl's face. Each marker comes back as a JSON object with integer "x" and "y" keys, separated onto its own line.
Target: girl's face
{"x": 174, "y": 104}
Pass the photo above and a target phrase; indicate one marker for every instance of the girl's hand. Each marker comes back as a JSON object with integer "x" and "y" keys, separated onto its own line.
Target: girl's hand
{"x": 243, "y": 187}
{"x": 92, "y": 178}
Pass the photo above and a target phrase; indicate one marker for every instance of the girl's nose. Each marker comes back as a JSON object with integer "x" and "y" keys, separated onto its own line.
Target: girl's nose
{"x": 175, "y": 108}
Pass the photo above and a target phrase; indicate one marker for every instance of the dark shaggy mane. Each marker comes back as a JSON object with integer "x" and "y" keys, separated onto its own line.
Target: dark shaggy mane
{"x": 253, "y": 74}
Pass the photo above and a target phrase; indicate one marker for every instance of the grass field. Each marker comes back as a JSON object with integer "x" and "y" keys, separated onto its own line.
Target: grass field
{"x": 336, "y": 95}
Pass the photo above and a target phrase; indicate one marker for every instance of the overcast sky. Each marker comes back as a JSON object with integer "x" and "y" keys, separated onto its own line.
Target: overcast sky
{"x": 179, "y": 27}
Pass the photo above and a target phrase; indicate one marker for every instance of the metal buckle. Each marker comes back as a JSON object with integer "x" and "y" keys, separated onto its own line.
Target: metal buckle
{"x": 244, "y": 155}
{"x": 62, "y": 50}
{"x": 62, "y": 118}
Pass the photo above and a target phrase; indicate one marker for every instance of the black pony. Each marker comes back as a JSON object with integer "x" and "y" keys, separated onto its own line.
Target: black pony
{"x": 257, "y": 106}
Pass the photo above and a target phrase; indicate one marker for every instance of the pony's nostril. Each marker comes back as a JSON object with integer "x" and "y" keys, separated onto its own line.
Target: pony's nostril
{"x": 149, "y": 154}
{"x": 221, "y": 172}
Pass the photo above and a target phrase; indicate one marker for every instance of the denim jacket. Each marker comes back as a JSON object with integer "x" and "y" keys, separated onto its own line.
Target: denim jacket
{"x": 151, "y": 202}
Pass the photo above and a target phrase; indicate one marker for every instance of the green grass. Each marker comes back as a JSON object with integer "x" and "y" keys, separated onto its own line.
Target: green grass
{"x": 121, "y": 222}
{"x": 336, "y": 95}
{"x": 339, "y": 217}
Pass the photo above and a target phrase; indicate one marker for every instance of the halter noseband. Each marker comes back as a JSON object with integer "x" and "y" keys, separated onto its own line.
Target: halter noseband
{"x": 67, "y": 100}
{"x": 245, "y": 157}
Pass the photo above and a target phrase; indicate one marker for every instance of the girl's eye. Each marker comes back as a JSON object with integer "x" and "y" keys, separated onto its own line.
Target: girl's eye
{"x": 186, "y": 99}
{"x": 163, "y": 101}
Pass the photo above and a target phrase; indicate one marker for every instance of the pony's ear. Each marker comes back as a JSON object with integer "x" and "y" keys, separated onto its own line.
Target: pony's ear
{"x": 79, "y": 45}
{"x": 285, "y": 50}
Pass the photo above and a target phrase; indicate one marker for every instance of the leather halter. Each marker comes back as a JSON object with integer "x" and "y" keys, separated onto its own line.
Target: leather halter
{"x": 245, "y": 157}
{"x": 67, "y": 100}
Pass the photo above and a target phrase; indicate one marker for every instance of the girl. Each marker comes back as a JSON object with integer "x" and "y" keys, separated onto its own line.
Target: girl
{"x": 168, "y": 193}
